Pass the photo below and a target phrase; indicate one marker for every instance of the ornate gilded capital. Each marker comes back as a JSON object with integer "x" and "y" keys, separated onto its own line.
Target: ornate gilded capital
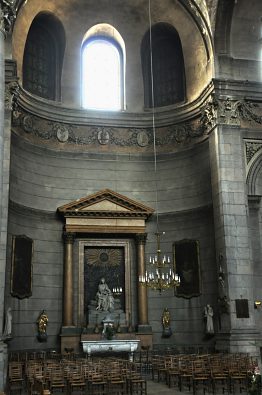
{"x": 7, "y": 15}
{"x": 69, "y": 237}
{"x": 11, "y": 93}
{"x": 141, "y": 238}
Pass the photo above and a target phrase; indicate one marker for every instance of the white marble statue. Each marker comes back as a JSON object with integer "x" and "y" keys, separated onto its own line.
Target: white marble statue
{"x": 8, "y": 323}
{"x": 104, "y": 297}
{"x": 208, "y": 312}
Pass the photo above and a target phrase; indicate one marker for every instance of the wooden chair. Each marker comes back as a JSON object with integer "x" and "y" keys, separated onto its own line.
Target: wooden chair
{"x": 201, "y": 376}
{"x": 97, "y": 385}
{"x": 173, "y": 372}
{"x": 57, "y": 381}
{"x": 219, "y": 375}
{"x": 185, "y": 373}
{"x": 238, "y": 376}
{"x": 15, "y": 377}
{"x": 76, "y": 383}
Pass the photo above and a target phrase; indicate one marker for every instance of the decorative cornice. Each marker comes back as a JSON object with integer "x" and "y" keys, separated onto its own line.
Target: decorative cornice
{"x": 121, "y": 207}
{"x": 56, "y": 112}
{"x": 7, "y": 15}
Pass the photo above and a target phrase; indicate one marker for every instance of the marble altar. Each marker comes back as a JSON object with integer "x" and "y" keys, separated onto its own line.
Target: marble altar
{"x": 129, "y": 346}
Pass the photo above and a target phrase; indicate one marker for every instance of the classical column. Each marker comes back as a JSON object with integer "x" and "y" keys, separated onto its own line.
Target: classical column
{"x": 141, "y": 271}
{"x": 68, "y": 279}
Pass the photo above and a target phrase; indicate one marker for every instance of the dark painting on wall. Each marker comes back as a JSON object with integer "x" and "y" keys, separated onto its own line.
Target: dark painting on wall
{"x": 186, "y": 258}
{"x": 21, "y": 274}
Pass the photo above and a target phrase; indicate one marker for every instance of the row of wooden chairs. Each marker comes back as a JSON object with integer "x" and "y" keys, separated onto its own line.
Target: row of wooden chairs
{"x": 208, "y": 373}
{"x": 98, "y": 376}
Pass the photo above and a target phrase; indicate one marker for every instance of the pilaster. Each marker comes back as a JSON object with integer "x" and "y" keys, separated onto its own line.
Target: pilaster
{"x": 68, "y": 279}
{"x": 230, "y": 205}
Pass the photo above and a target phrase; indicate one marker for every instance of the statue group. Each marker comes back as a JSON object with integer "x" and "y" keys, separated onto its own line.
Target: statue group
{"x": 104, "y": 297}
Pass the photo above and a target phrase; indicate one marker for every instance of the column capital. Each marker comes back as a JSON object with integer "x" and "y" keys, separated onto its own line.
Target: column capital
{"x": 141, "y": 238}
{"x": 11, "y": 93}
{"x": 7, "y": 16}
{"x": 69, "y": 237}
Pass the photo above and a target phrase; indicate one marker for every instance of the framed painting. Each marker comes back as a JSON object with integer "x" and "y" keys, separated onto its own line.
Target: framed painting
{"x": 187, "y": 266}
{"x": 21, "y": 271}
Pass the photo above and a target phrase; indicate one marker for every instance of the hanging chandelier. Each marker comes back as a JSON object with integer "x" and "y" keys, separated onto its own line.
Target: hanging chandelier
{"x": 162, "y": 273}
{"x": 162, "y": 270}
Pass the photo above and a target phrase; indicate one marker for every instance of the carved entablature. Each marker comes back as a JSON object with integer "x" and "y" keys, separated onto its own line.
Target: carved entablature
{"x": 7, "y": 15}
{"x": 105, "y": 212}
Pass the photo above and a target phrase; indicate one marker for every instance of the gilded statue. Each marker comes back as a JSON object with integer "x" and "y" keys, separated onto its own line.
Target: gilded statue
{"x": 42, "y": 322}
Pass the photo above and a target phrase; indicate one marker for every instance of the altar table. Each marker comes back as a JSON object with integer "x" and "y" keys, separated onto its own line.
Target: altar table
{"x": 129, "y": 346}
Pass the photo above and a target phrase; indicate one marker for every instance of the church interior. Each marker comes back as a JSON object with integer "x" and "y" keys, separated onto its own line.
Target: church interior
{"x": 131, "y": 176}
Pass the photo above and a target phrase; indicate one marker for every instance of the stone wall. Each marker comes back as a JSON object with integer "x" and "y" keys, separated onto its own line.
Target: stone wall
{"x": 43, "y": 179}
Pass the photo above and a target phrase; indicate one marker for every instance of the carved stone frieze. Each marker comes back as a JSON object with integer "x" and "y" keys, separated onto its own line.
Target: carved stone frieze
{"x": 7, "y": 15}
{"x": 252, "y": 147}
{"x": 246, "y": 112}
{"x": 11, "y": 93}
{"x": 178, "y": 135}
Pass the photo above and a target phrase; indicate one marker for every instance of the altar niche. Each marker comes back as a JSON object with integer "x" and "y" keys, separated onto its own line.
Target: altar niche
{"x": 109, "y": 259}
{"x": 106, "y": 263}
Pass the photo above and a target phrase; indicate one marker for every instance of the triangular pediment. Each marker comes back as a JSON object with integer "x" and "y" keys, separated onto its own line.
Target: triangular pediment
{"x": 106, "y": 203}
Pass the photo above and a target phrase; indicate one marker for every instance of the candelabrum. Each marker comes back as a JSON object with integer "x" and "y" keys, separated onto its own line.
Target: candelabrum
{"x": 117, "y": 290}
{"x": 162, "y": 274}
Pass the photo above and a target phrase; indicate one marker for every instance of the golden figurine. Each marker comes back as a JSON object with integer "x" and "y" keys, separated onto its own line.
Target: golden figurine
{"x": 166, "y": 319}
{"x": 42, "y": 322}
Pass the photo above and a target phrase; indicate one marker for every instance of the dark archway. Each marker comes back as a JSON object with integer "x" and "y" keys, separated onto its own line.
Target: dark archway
{"x": 167, "y": 64}
{"x": 43, "y": 57}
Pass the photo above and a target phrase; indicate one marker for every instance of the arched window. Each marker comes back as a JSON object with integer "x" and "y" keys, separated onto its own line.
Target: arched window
{"x": 103, "y": 66}
{"x": 43, "y": 56}
{"x": 101, "y": 72}
{"x": 167, "y": 65}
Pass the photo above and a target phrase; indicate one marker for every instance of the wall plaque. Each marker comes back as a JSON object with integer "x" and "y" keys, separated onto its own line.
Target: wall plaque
{"x": 242, "y": 310}
{"x": 21, "y": 273}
